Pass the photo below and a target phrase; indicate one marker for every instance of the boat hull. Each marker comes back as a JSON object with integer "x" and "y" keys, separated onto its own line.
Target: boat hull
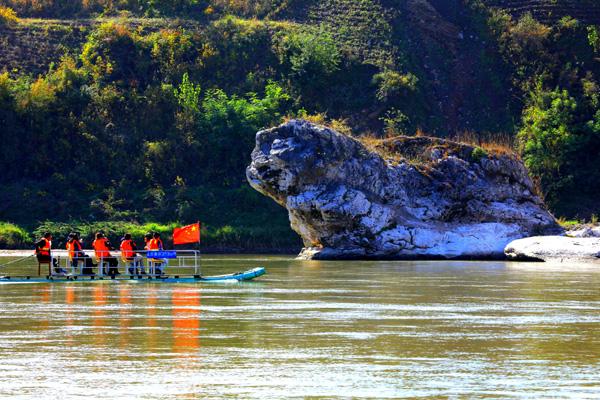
{"x": 236, "y": 277}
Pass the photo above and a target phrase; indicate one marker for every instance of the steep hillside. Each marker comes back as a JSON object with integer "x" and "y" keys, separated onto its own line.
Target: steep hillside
{"x": 33, "y": 45}
{"x": 587, "y": 11}
{"x": 151, "y": 108}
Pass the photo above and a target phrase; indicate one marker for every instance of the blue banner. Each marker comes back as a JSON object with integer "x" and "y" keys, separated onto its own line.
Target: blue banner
{"x": 162, "y": 254}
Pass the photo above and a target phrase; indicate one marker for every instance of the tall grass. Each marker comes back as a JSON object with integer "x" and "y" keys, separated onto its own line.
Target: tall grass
{"x": 493, "y": 143}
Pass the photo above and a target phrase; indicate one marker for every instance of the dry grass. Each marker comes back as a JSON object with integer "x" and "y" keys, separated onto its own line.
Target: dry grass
{"x": 338, "y": 125}
{"x": 492, "y": 143}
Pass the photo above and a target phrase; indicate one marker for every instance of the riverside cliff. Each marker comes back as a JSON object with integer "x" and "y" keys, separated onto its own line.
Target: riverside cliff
{"x": 410, "y": 197}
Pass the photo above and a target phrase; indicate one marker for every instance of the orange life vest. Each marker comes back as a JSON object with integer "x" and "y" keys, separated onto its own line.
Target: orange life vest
{"x": 101, "y": 248}
{"x": 127, "y": 248}
{"x": 45, "y": 250}
{"x": 71, "y": 249}
{"x": 74, "y": 247}
{"x": 155, "y": 244}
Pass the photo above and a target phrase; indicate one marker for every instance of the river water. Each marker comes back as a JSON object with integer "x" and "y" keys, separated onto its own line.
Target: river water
{"x": 310, "y": 329}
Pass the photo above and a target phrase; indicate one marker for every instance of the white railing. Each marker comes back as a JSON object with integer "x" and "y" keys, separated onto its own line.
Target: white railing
{"x": 143, "y": 262}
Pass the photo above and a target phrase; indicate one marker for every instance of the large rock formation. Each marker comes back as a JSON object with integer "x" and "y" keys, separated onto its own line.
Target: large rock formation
{"x": 407, "y": 197}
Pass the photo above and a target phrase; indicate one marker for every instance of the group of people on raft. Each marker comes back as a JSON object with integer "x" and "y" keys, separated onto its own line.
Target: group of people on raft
{"x": 102, "y": 249}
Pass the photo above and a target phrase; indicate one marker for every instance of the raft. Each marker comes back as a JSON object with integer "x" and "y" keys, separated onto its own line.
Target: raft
{"x": 235, "y": 277}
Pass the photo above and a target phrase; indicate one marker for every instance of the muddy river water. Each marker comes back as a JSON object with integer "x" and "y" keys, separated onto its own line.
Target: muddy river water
{"x": 310, "y": 329}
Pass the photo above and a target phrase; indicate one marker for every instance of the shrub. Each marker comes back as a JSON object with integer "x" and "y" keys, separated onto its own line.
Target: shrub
{"x": 528, "y": 34}
{"x": 13, "y": 236}
{"x": 395, "y": 122}
{"x": 309, "y": 55}
{"x": 114, "y": 53}
{"x": 560, "y": 145}
{"x": 188, "y": 95}
{"x": 391, "y": 83}
{"x": 594, "y": 37}
{"x": 478, "y": 154}
{"x": 8, "y": 16}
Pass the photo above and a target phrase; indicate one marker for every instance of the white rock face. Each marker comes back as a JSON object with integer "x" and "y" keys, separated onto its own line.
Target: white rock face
{"x": 555, "y": 249}
{"x": 585, "y": 232}
{"x": 346, "y": 201}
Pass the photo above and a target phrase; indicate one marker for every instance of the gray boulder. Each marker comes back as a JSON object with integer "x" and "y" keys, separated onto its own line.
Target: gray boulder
{"x": 555, "y": 249}
{"x": 406, "y": 197}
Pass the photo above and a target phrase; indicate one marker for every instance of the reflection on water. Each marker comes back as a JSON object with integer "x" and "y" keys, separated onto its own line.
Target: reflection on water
{"x": 186, "y": 319}
{"x": 309, "y": 329}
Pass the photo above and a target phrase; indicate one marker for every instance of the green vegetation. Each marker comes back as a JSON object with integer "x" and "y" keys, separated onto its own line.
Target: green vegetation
{"x": 7, "y": 16}
{"x": 122, "y": 138}
{"x": 559, "y": 133}
{"x": 478, "y": 154}
{"x": 152, "y": 120}
{"x": 13, "y": 236}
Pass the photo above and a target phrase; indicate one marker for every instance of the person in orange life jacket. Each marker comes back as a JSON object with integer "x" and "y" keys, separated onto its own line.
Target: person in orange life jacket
{"x": 43, "y": 252}
{"x": 128, "y": 248}
{"x": 102, "y": 248}
{"x": 76, "y": 254}
{"x": 147, "y": 239}
{"x": 156, "y": 244}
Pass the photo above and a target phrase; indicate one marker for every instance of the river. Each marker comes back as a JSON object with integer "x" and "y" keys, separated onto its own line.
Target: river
{"x": 310, "y": 329}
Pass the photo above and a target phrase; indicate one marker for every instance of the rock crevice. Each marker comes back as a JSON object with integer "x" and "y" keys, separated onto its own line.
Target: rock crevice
{"x": 408, "y": 197}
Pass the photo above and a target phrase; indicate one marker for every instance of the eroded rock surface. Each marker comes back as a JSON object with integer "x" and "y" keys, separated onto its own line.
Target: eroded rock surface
{"x": 411, "y": 197}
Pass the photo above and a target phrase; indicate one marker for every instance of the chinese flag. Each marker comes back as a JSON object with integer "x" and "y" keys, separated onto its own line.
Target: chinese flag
{"x": 187, "y": 234}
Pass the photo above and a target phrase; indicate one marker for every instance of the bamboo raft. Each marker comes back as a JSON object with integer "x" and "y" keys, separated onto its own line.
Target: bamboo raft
{"x": 170, "y": 266}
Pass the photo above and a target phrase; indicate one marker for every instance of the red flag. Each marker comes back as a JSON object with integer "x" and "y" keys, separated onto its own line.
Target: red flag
{"x": 187, "y": 234}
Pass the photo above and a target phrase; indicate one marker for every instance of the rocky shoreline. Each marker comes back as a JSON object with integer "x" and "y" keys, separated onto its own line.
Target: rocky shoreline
{"x": 579, "y": 245}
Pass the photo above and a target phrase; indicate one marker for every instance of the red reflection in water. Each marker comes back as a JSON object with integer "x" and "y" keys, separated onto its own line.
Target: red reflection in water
{"x": 98, "y": 320}
{"x": 45, "y": 297}
{"x": 124, "y": 315}
{"x": 69, "y": 294}
{"x": 186, "y": 319}
{"x": 69, "y": 300}
{"x": 152, "y": 301}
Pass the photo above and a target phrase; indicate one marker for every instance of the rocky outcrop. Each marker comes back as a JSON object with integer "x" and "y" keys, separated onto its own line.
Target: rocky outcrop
{"x": 408, "y": 197}
{"x": 555, "y": 249}
{"x": 585, "y": 231}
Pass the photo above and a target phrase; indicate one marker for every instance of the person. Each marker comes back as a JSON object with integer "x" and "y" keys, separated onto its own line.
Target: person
{"x": 76, "y": 254}
{"x": 102, "y": 249}
{"x": 147, "y": 239}
{"x": 128, "y": 254}
{"x": 156, "y": 244}
{"x": 43, "y": 253}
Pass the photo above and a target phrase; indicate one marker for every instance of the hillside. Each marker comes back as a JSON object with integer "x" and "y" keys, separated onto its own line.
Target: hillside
{"x": 586, "y": 11}
{"x": 166, "y": 96}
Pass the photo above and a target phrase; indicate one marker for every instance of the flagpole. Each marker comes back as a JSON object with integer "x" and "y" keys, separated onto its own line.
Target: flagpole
{"x": 198, "y": 244}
